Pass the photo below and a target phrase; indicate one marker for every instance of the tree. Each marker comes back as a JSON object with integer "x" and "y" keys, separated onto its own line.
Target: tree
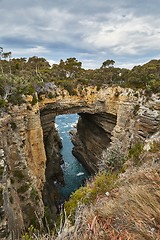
{"x": 108, "y": 63}
{"x": 1, "y": 53}
{"x": 71, "y": 67}
{"x": 18, "y": 65}
{"x": 55, "y": 71}
{"x": 8, "y": 55}
{"x": 38, "y": 64}
{"x": 5, "y": 86}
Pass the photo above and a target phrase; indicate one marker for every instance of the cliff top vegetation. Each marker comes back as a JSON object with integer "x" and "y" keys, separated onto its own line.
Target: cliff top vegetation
{"x": 21, "y": 76}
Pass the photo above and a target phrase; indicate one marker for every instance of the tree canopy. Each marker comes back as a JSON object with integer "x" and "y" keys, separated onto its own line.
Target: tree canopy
{"x": 21, "y": 76}
{"x": 108, "y": 63}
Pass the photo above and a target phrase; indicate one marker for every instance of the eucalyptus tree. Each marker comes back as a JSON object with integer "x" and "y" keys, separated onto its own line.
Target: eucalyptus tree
{"x": 71, "y": 67}
{"x": 7, "y": 56}
{"x": 108, "y": 63}
{"x": 1, "y": 53}
{"x": 37, "y": 65}
{"x": 18, "y": 65}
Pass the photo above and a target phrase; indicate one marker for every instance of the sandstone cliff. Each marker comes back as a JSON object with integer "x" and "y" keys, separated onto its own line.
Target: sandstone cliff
{"x": 105, "y": 116}
{"x": 127, "y": 116}
{"x": 22, "y": 162}
{"x": 30, "y": 146}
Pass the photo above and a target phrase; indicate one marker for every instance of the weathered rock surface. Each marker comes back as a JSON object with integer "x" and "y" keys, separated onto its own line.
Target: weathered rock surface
{"x": 30, "y": 146}
{"x": 92, "y": 137}
{"x": 22, "y": 170}
{"x": 53, "y": 171}
{"x": 107, "y": 115}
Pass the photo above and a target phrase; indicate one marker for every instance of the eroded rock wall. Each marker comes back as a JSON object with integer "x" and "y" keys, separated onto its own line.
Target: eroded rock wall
{"x": 28, "y": 135}
{"x": 22, "y": 160}
{"x": 53, "y": 171}
{"x": 106, "y": 116}
{"x": 129, "y": 117}
{"x": 92, "y": 137}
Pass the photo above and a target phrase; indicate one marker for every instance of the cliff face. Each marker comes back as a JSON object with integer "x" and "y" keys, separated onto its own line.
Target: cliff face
{"x": 30, "y": 160}
{"x": 127, "y": 116}
{"x": 93, "y": 136}
{"x": 106, "y": 116}
{"x": 53, "y": 171}
{"x": 22, "y": 162}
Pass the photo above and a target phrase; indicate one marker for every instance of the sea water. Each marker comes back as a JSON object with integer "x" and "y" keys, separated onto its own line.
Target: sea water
{"x": 74, "y": 173}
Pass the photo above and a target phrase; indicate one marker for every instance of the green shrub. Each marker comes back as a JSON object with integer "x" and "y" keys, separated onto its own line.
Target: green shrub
{"x": 100, "y": 184}
{"x": 18, "y": 174}
{"x": 135, "y": 152}
{"x": 51, "y": 95}
{"x": 34, "y": 194}
{"x": 13, "y": 125}
{"x": 23, "y": 188}
{"x": 155, "y": 147}
{"x": 34, "y": 99}
{"x": 112, "y": 158}
{"x": 31, "y": 234}
{"x": 2, "y": 103}
{"x": 16, "y": 99}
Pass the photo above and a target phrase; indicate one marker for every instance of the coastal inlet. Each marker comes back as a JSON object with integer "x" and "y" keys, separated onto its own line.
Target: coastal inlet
{"x": 74, "y": 173}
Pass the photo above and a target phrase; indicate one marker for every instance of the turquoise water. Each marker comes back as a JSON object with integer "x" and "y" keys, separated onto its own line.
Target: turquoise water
{"x": 74, "y": 172}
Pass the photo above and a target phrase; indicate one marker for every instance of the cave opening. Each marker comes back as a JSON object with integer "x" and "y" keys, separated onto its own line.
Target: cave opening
{"x": 75, "y": 174}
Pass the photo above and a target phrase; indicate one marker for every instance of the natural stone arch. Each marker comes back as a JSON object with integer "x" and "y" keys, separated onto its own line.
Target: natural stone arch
{"x": 94, "y": 122}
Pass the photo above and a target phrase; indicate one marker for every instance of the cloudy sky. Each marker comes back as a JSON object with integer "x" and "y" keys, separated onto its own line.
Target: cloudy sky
{"x": 127, "y": 31}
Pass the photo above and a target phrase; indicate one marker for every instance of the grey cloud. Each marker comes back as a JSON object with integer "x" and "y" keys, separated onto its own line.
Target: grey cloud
{"x": 95, "y": 29}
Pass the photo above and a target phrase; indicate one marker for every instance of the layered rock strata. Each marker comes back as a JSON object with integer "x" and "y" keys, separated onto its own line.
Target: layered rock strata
{"x": 92, "y": 137}
{"x": 30, "y": 146}
{"x": 129, "y": 117}
{"x": 106, "y": 116}
{"x": 53, "y": 171}
{"x": 22, "y": 160}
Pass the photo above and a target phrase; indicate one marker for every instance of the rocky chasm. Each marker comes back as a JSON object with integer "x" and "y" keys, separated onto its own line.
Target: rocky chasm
{"x": 30, "y": 160}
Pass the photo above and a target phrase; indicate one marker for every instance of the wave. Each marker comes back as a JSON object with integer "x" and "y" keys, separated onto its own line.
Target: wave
{"x": 74, "y": 125}
{"x": 80, "y": 174}
{"x": 66, "y": 126}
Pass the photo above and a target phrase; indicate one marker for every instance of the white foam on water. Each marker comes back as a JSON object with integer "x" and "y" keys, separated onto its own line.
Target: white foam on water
{"x": 80, "y": 174}
{"x": 73, "y": 125}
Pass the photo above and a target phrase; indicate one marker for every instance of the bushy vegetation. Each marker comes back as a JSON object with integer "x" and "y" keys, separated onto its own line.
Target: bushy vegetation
{"x": 23, "y": 188}
{"x": 111, "y": 166}
{"x": 99, "y": 185}
{"x": 135, "y": 152}
{"x": 155, "y": 147}
{"x": 112, "y": 206}
{"x": 31, "y": 234}
{"x": 20, "y": 77}
{"x": 132, "y": 212}
{"x": 112, "y": 158}
{"x": 18, "y": 174}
